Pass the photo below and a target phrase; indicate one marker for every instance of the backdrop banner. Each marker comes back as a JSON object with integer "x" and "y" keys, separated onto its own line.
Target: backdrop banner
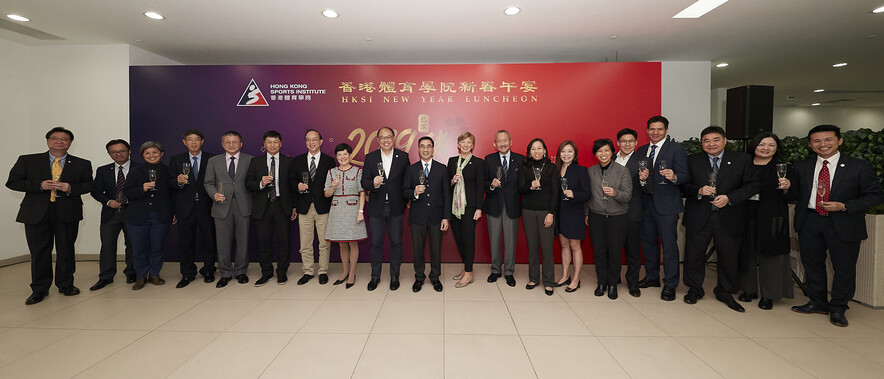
{"x": 581, "y": 102}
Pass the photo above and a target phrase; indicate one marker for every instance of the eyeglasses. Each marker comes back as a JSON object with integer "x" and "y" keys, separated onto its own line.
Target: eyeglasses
{"x": 385, "y": 137}
{"x": 312, "y": 139}
{"x": 118, "y": 152}
{"x": 627, "y": 142}
{"x": 62, "y": 139}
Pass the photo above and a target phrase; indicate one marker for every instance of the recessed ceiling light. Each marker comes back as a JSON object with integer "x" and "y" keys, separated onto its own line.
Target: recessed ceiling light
{"x": 154, "y": 15}
{"x": 878, "y": 10}
{"x": 699, "y": 8}
{"x": 368, "y": 39}
{"x": 815, "y": 104}
{"x": 819, "y": 90}
{"x": 722, "y": 65}
{"x": 511, "y": 10}
{"x": 18, "y": 18}
{"x": 842, "y": 64}
{"x": 330, "y": 13}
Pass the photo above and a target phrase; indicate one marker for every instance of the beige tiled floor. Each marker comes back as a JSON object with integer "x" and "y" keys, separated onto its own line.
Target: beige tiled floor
{"x": 481, "y": 331}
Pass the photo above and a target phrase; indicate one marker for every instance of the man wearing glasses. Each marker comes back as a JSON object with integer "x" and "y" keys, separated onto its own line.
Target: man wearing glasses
{"x": 311, "y": 168}
{"x": 627, "y": 140}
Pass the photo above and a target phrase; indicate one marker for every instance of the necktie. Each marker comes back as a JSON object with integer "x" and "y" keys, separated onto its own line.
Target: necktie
{"x": 504, "y": 162}
{"x": 823, "y": 183}
{"x": 312, "y": 167}
{"x": 426, "y": 170}
{"x": 195, "y": 167}
{"x": 56, "y": 174}
{"x": 231, "y": 170}
{"x": 715, "y": 166}
{"x": 653, "y": 151}
{"x": 272, "y": 194}
{"x": 121, "y": 182}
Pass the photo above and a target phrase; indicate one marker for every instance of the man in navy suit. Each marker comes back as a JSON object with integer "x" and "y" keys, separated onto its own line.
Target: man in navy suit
{"x": 503, "y": 206}
{"x": 626, "y": 140}
{"x": 661, "y": 206}
{"x": 427, "y": 185}
{"x": 51, "y": 210}
{"x": 386, "y": 205}
{"x": 107, "y": 189}
{"x": 312, "y": 205}
{"x": 193, "y": 209}
{"x": 721, "y": 182}
{"x": 834, "y": 193}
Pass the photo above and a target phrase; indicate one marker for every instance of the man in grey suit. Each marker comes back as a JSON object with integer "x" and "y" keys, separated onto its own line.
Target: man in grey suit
{"x": 225, "y": 178}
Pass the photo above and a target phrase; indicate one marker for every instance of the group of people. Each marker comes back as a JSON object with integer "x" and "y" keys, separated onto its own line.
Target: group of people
{"x": 631, "y": 201}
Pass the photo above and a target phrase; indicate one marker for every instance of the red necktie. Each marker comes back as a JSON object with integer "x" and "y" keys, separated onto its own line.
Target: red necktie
{"x": 823, "y": 182}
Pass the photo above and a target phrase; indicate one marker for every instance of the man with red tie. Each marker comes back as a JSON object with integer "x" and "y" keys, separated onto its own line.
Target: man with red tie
{"x": 834, "y": 193}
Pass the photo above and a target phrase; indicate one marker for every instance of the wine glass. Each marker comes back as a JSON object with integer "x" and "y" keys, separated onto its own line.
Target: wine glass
{"x": 422, "y": 178}
{"x": 185, "y": 169}
{"x": 305, "y": 178}
{"x": 565, "y": 188}
{"x": 821, "y": 191}
{"x": 713, "y": 179}
{"x": 537, "y": 171}
{"x": 604, "y": 184}
{"x": 381, "y": 171}
{"x": 781, "y": 173}
{"x": 499, "y": 173}
{"x": 221, "y": 190}
{"x": 662, "y": 167}
{"x": 152, "y": 176}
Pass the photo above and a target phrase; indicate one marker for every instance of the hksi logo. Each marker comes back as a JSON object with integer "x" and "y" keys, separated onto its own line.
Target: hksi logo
{"x": 252, "y": 97}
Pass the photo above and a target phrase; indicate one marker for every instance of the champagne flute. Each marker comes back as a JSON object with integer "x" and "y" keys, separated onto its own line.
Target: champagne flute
{"x": 565, "y": 187}
{"x": 305, "y": 178}
{"x": 381, "y": 171}
{"x": 185, "y": 169}
{"x": 643, "y": 166}
{"x": 662, "y": 167}
{"x": 713, "y": 179}
{"x": 152, "y": 176}
{"x": 781, "y": 173}
{"x": 221, "y": 190}
{"x": 821, "y": 191}
{"x": 499, "y": 173}
{"x": 604, "y": 185}
{"x": 421, "y": 178}
{"x": 537, "y": 171}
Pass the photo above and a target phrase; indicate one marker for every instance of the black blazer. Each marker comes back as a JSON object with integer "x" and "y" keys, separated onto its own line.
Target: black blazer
{"x": 393, "y": 184}
{"x": 104, "y": 188}
{"x": 261, "y": 200}
{"x": 507, "y": 196}
{"x": 316, "y": 196}
{"x": 142, "y": 203}
{"x": 667, "y": 197}
{"x": 32, "y": 169}
{"x": 736, "y": 178}
{"x": 855, "y": 184}
{"x": 635, "y": 203}
{"x": 183, "y": 196}
{"x": 474, "y": 180}
{"x": 435, "y": 203}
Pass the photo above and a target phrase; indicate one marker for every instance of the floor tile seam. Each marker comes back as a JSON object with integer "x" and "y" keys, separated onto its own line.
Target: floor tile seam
{"x": 368, "y": 336}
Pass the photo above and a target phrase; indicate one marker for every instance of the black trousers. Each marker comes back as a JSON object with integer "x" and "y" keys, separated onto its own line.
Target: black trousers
{"x": 539, "y": 238}
{"x": 275, "y": 221}
{"x": 727, "y": 250}
{"x": 419, "y": 235}
{"x": 187, "y": 232}
{"x": 608, "y": 235}
{"x": 464, "y": 230}
{"x": 390, "y": 225}
{"x": 41, "y": 237}
{"x": 815, "y": 237}
{"x": 633, "y": 253}
{"x": 109, "y": 233}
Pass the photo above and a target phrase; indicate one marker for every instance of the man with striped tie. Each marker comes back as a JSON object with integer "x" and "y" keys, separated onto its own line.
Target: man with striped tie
{"x": 312, "y": 205}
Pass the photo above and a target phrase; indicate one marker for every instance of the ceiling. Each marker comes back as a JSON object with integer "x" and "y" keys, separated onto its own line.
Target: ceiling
{"x": 789, "y": 44}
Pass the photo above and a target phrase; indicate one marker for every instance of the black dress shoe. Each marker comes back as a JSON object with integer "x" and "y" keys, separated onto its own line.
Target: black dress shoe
{"x": 282, "y": 279}
{"x": 765, "y": 303}
{"x": 209, "y": 278}
{"x": 565, "y": 283}
{"x": 810, "y": 308}
{"x": 569, "y": 289}
{"x": 510, "y": 280}
{"x": 548, "y": 292}
{"x": 691, "y": 297}
{"x": 69, "y": 291}
{"x": 130, "y": 279}
{"x": 836, "y": 317}
{"x": 373, "y": 283}
{"x": 184, "y": 282}
{"x": 668, "y": 294}
{"x": 263, "y": 280}
{"x": 242, "y": 279}
{"x": 747, "y": 297}
{"x": 730, "y": 302}
{"x": 416, "y": 287}
{"x": 323, "y": 278}
{"x": 339, "y": 282}
{"x": 530, "y": 286}
{"x": 348, "y": 285}
{"x": 612, "y": 292}
{"x": 222, "y": 282}
{"x": 101, "y": 283}
{"x": 394, "y": 283}
{"x": 493, "y": 277}
{"x": 645, "y": 283}
{"x": 36, "y": 297}
{"x": 635, "y": 292}
{"x": 437, "y": 285}
{"x": 600, "y": 290}
{"x": 304, "y": 279}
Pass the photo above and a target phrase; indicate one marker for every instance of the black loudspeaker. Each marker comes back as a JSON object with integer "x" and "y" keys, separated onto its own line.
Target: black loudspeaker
{"x": 749, "y": 111}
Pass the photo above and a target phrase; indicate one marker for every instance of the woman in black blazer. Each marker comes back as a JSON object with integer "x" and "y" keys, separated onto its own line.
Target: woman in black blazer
{"x": 148, "y": 191}
{"x": 467, "y": 174}
{"x": 569, "y": 226}
{"x": 539, "y": 206}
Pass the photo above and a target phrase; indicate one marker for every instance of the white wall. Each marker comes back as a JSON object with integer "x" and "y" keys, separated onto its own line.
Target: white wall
{"x": 796, "y": 121}
{"x": 685, "y": 100}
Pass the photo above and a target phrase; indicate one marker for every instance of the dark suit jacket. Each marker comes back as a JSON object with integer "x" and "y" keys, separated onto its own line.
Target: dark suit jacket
{"x": 257, "y": 169}
{"x": 393, "y": 183}
{"x": 667, "y": 197}
{"x": 474, "y": 180}
{"x": 183, "y": 197}
{"x": 635, "y": 203}
{"x": 104, "y": 188}
{"x": 736, "y": 178}
{"x": 30, "y": 170}
{"x": 507, "y": 196}
{"x": 855, "y": 184}
{"x": 142, "y": 203}
{"x": 435, "y": 203}
{"x": 316, "y": 196}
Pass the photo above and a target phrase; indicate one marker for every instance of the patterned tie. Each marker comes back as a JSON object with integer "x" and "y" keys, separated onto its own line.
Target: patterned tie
{"x": 231, "y": 170}
{"x": 56, "y": 174}
{"x": 505, "y": 164}
{"x": 653, "y": 151}
{"x": 195, "y": 170}
{"x": 823, "y": 182}
{"x": 426, "y": 170}
{"x": 121, "y": 182}
{"x": 272, "y": 194}
{"x": 312, "y": 167}
{"x": 715, "y": 166}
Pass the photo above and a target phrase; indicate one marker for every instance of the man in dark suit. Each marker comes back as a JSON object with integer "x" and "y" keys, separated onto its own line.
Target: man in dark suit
{"x": 311, "y": 168}
{"x": 193, "y": 209}
{"x": 51, "y": 210}
{"x": 626, "y": 140}
{"x": 721, "y": 182}
{"x": 385, "y": 205}
{"x": 661, "y": 205}
{"x": 427, "y": 185}
{"x": 834, "y": 193}
{"x": 107, "y": 189}
{"x": 503, "y": 206}
{"x": 269, "y": 177}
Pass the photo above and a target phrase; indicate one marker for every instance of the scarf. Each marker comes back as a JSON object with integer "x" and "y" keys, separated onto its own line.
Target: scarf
{"x": 459, "y": 200}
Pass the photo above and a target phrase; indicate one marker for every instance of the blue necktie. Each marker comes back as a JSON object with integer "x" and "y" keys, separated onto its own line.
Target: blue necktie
{"x": 426, "y": 170}
{"x": 651, "y": 157}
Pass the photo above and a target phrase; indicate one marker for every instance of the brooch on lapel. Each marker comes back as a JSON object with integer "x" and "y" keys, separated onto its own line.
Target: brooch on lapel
{"x": 728, "y": 162}
{"x": 842, "y": 165}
